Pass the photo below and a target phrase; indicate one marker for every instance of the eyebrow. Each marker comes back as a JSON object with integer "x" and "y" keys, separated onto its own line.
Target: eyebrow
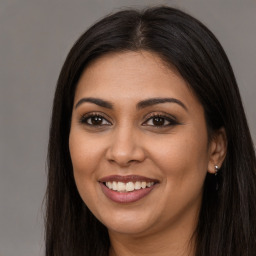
{"x": 99, "y": 102}
{"x": 140, "y": 105}
{"x": 154, "y": 101}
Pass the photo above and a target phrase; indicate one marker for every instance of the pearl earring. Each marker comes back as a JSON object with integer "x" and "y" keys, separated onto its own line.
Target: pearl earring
{"x": 216, "y": 178}
{"x": 216, "y": 169}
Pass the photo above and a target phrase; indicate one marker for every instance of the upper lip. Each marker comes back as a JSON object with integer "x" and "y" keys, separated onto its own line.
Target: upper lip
{"x": 127, "y": 178}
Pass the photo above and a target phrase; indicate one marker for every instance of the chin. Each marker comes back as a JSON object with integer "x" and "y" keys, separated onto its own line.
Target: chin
{"x": 128, "y": 223}
{"x": 131, "y": 228}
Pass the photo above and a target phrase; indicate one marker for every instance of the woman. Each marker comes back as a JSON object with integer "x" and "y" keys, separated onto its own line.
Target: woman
{"x": 150, "y": 151}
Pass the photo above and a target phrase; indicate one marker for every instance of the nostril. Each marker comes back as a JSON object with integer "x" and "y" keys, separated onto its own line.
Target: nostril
{"x": 124, "y": 156}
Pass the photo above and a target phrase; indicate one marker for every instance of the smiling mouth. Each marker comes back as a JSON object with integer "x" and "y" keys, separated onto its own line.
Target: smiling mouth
{"x": 127, "y": 189}
{"x": 129, "y": 186}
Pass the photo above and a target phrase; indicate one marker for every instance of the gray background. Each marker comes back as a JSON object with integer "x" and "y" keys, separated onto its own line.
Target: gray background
{"x": 35, "y": 37}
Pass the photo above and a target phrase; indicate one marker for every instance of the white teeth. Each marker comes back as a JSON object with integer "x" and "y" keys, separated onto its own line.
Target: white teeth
{"x": 129, "y": 186}
{"x": 137, "y": 185}
{"x": 109, "y": 185}
{"x": 121, "y": 186}
{"x": 114, "y": 185}
{"x": 149, "y": 184}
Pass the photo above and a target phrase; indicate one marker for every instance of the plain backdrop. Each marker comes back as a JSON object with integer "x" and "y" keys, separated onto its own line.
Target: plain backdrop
{"x": 35, "y": 37}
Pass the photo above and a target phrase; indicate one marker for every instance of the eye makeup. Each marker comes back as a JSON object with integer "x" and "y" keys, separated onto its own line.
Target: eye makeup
{"x": 160, "y": 120}
{"x": 94, "y": 119}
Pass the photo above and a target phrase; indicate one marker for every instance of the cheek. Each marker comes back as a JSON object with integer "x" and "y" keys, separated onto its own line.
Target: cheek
{"x": 183, "y": 164}
{"x": 85, "y": 152}
{"x": 183, "y": 159}
{"x": 85, "y": 159}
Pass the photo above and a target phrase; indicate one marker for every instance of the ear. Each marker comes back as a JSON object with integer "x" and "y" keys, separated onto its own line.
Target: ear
{"x": 217, "y": 150}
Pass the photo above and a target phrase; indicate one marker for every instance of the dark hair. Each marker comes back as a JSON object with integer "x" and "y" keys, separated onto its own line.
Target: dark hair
{"x": 227, "y": 221}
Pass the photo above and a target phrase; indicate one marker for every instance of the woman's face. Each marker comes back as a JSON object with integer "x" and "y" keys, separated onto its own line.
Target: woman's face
{"x": 138, "y": 144}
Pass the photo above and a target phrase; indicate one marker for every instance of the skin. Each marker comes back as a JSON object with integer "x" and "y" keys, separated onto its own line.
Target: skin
{"x": 127, "y": 142}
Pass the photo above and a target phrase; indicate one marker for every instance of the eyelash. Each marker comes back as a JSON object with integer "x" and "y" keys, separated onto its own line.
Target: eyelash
{"x": 166, "y": 118}
{"x": 85, "y": 120}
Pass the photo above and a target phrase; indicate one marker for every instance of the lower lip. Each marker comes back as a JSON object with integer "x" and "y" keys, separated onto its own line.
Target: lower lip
{"x": 126, "y": 197}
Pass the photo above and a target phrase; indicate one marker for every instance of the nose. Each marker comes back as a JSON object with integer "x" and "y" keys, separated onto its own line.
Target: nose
{"x": 125, "y": 147}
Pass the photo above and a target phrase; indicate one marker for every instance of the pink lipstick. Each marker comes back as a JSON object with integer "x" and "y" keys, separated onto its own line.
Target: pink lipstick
{"x": 127, "y": 189}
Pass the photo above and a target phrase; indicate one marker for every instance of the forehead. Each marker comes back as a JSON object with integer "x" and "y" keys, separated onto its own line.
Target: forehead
{"x": 130, "y": 76}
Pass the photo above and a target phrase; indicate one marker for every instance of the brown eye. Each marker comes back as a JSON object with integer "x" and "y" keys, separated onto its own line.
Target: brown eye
{"x": 158, "y": 121}
{"x": 94, "y": 120}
